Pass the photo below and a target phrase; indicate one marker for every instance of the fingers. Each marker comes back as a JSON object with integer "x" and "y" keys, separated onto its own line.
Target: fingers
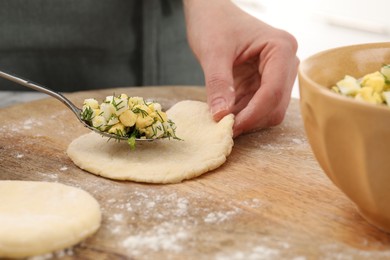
{"x": 268, "y": 105}
{"x": 219, "y": 85}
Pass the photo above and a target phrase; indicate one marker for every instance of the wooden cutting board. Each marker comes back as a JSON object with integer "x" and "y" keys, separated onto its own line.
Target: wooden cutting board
{"x": 270, "y": 200}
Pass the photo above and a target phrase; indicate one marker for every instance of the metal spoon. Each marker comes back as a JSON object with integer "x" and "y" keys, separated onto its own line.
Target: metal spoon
{"x": 67, "y": 102}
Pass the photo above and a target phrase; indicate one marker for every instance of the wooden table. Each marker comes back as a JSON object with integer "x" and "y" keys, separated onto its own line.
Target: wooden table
{"x": 270, "y": 200}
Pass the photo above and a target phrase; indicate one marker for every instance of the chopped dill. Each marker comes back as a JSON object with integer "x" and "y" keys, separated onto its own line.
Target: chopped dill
{"x": 138, "y": 110}
{"x": 120, "y": 125}
{"x": 87, "y": 113}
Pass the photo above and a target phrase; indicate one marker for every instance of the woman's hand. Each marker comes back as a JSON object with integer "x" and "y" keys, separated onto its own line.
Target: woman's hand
{"x": 249, "y": 66}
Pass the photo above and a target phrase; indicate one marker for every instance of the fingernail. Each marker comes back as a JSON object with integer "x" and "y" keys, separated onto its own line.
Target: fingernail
{"x": 236, "y": 130}
{"x": 218, "y": 105}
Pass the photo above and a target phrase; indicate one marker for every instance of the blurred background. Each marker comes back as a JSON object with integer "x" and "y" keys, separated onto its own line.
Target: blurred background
{"x": 317, "y": 25}
{"x": 323, "y": 24}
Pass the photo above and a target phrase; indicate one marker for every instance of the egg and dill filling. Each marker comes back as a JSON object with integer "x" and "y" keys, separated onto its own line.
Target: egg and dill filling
{"x": 130, "y": 117}
{"x": 373, "y": 88}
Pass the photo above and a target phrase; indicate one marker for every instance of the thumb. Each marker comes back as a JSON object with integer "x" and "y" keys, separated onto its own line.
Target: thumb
{"x": 219, "y": 87}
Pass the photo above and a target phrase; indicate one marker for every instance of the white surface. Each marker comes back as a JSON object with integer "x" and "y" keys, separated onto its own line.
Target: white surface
{"x": 324, "y": 24}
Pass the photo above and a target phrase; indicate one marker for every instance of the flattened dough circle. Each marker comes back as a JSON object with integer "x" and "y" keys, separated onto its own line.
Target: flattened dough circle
{"x": 205, "y": 146}
{"x": 41, "y": 217}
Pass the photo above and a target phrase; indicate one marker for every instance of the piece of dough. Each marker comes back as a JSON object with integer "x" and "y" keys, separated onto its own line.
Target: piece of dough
{"x": 41, "y": 217}
{"x": 205, "y": 146}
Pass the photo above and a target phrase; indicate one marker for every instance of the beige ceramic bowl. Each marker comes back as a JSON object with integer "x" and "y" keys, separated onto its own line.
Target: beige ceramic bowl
{"x": 350, "y": 139}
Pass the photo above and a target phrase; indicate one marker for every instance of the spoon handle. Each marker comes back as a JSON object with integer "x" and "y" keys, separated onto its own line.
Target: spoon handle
{"x": 40, "y": 88}
{"x": 63, "y": 99}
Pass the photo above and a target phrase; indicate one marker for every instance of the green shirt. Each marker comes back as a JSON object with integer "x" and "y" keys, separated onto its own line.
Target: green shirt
{"x": 70, "y": 45}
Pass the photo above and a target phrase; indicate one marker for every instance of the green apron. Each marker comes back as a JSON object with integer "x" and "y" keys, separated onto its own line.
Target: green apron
{"x": 70, "y": 45}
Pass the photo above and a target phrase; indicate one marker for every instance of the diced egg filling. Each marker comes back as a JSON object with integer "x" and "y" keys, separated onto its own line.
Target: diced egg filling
{"x": 131, "y": 117}
{"x": 373, "y": 88}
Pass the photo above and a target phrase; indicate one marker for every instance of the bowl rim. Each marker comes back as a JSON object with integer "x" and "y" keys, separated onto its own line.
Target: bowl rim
{"x": 325, "y": 90}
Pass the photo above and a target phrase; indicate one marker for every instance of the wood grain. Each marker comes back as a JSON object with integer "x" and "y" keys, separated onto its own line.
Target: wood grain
{"x": 270, "y": 200}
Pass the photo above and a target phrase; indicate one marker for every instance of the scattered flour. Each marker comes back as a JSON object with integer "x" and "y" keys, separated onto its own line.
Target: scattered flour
{"x": 54, "y": 255}
{"x": 150, "y": 204}
{"x": 282, "y": 142}
{"x": 175, "y": 219}
{"x": 220, "y": 216}
{"x": 10, "y": 129}
{"x": 252, "y": 203}
{"x": 161, "y": 237}
{"x": 111, "y": 200}
{"x": 116, "y": 230}
{"x": 63, "y": 168}
{"x": 182, "y": 207}
{"x": 297, "y": 141}
{"x": 49, "y": 175}
{"x": 58, "y": 113}
{"x": 29, "y": 124}
{"x": 344, "y": 252}
{"x": 128, "y": 207}
{"x": 256, "y": 253}
{"x": 117, "y": 217}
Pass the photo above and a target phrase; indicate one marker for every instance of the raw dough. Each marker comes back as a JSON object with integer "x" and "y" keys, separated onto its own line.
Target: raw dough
{"x": 205, "y": 146}
{"x": 41, "y": 217}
